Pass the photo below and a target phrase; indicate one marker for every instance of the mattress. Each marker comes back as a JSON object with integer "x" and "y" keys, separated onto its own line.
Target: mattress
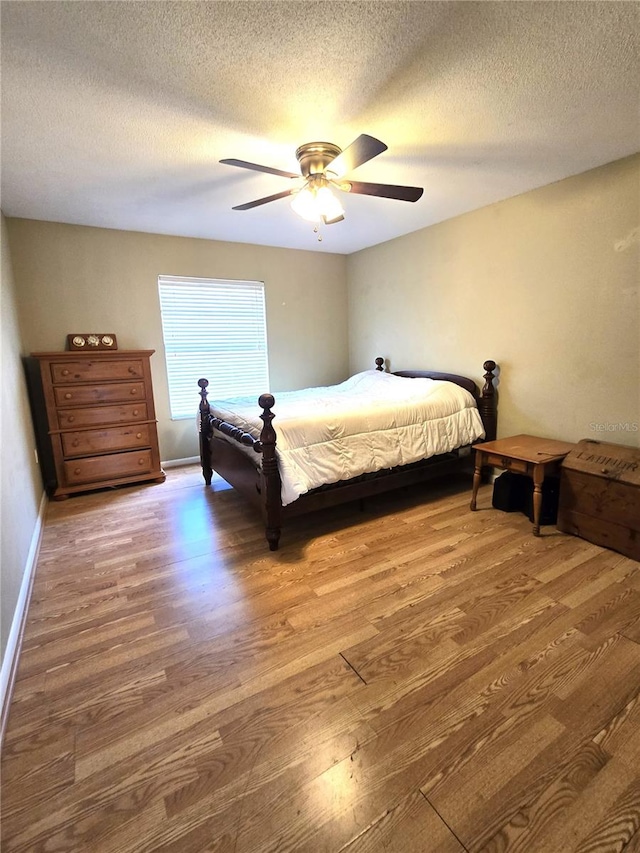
{"x": 370, "y": 422}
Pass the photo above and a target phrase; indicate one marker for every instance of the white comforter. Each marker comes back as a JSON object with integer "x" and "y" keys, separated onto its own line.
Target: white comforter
{"x": 372, "y": 421}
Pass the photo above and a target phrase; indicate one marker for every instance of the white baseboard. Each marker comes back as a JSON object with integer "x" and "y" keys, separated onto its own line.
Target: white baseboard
{"x": 176, "y": 463}
{"x": 14, "y": 641}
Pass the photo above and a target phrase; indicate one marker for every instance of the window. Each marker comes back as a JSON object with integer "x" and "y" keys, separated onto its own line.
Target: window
{"x": 213, "y": 328}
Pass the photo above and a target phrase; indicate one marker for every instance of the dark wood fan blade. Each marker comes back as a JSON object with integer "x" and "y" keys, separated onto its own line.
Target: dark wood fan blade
{"x": 260, "y": 201}
{"x": 257, "y": 168}
{"x": 386, "y": 191}
{"x": 362, "y": 149}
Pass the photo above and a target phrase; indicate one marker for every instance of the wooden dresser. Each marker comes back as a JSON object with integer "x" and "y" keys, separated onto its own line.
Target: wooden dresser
{"x": 95, "y": 419}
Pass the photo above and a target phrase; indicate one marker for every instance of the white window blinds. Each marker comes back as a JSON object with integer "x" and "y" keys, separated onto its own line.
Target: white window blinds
{"x": 216, "y": 329}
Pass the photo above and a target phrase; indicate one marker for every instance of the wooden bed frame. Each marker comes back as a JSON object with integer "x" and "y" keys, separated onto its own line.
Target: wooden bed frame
{"x": 260, "y": 484}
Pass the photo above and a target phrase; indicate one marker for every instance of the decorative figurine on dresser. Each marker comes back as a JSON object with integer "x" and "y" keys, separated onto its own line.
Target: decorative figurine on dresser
{"x": 94, "y": 415}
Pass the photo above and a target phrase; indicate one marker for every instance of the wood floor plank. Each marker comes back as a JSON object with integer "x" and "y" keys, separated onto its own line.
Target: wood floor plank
{"x": 267, "y": 748}
{"x": 617, "y": 826}
{"x": 535, "y": 800}
{"x": 165, "y": 729}
{"x": 413, "y": 821}
{"x": 633, "y": 845}
{"x": 413, "y": 677}
{"x": 540, "y": 812}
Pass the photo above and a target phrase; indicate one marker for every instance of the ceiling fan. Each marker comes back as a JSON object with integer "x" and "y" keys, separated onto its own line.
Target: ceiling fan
{"x": 322, "y": 165}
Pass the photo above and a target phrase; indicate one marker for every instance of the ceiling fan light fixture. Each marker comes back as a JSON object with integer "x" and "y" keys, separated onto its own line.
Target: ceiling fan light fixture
{"x": 322, "y": 165}
{"x": 317, "y": 204}
{"x": 304, "y": 204}
{"x": 330, "y": 208}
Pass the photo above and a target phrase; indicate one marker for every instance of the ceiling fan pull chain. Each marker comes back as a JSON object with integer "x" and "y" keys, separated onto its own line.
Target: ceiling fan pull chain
{"x": 316, "y": 230}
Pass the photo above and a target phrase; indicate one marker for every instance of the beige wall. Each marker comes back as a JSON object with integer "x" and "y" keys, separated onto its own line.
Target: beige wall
{"x": 546, "y": 284}
{"x": 20, "y": 484}
{"x": 78, "y": 279}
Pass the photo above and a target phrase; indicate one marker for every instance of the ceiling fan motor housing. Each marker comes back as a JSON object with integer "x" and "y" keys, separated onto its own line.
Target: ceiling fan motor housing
{"x": 315, "y": 157}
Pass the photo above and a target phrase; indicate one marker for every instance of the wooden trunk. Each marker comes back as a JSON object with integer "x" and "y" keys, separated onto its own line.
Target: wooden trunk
{"x": 600, "y": 496}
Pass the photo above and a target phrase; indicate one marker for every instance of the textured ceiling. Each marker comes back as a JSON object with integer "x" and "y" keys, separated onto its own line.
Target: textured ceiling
{"x": 116, "y": 114}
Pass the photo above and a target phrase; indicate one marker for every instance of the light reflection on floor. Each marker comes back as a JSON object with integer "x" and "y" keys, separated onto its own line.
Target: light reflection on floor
{"x": 215, "y": 569}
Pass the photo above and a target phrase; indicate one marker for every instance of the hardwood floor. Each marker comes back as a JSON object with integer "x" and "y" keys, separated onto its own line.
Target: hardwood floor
{"x": 414, "y": 677}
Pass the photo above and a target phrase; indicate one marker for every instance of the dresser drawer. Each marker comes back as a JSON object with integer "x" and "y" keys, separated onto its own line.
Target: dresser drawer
{"x": 73, "y": 418}
{"x": 91, "y": 441}
{"x": 97, "y": 468}
{"x": 96, "y": 370}
{"x": 115, "y": 392}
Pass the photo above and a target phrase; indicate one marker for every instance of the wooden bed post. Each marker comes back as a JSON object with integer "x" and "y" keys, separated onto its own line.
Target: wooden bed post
{"x": 271, "y": 482}
{"x": 487, "y": 402}
{"x": 205, "y": 431}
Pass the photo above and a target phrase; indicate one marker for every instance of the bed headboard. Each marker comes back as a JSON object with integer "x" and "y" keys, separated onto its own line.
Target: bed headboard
{"x": 485, "y": 398}
{"x": 462, "y": 381}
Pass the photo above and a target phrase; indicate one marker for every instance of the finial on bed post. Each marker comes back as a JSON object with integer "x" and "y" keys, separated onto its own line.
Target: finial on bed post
{"x": 204, "y": 403}
{"x": 205, "y": 431}
{"x": 379, "y": 363}
{"x": 270, "y": 473}
{"x": 487, "y": 402}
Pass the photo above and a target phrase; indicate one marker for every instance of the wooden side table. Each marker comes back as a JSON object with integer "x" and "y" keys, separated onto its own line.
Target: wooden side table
{"x": 522, "y": 454}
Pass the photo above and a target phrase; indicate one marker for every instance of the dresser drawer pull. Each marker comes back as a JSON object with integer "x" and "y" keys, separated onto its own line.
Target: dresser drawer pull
{"x": 71, "y": 419}
{"x": 65, "y": 372}
{"x": 138, "y": 435}
{"x": 67, "y": 396}
{"x": 134, "y": 391}
{"x": 133, "y": 371}
{"x": 140, "y": 461}
{"x": 75, "y": 443}
{"x": 77, "y": 470}
{"x": 135, "y": 412}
